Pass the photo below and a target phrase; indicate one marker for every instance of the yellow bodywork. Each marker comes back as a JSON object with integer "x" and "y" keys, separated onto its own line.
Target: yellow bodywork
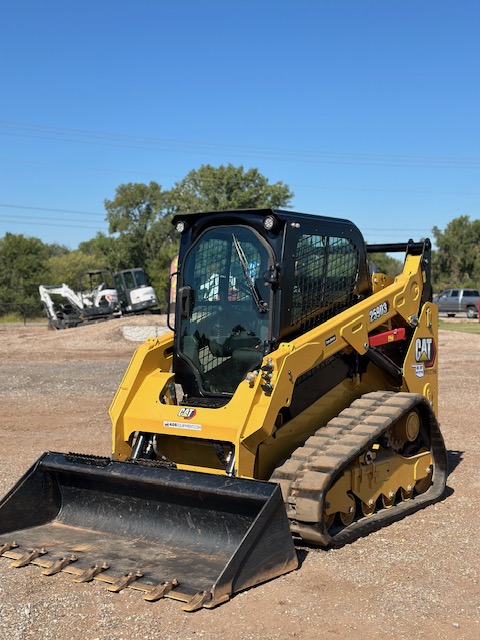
{"x": 381, "y": 476}
{"x": 251, "y": 421}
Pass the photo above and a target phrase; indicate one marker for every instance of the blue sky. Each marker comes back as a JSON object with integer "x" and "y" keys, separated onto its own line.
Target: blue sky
{"x": 368, "y": 110}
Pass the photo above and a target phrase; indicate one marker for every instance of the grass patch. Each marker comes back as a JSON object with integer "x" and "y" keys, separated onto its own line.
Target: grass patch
{"x": 13, "y": 318}
{"x": 10, "y": 318}
{"x": 464, "y": 327}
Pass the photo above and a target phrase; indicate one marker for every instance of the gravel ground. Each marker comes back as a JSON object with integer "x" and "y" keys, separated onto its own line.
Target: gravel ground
{"x": 418, "y": 578}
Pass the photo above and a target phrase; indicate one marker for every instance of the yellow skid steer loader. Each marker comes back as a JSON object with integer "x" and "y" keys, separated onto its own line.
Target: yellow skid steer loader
{"x": 296, "y": 394}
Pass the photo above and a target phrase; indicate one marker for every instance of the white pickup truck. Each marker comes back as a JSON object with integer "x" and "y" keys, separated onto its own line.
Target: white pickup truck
{"x": 454, "y": 301}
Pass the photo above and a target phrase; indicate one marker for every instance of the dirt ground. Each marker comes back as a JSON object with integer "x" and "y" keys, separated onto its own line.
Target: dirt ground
{"x": 418, "y": 578}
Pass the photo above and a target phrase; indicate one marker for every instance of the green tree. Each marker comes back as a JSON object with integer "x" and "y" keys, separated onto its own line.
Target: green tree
{"x": 383, "y": 263}
{"x": 23, "y": 266}
{"x": 104, "y": 252}
{"x": 67, "y": 268}
{"x": 456, "y": 259}
{"x": 226, "y": 187}
{"x": 145, "y": 236}
{"x": 134, "y": 214}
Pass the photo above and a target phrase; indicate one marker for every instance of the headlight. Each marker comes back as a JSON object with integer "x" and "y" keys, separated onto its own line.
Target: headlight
{"x": 269, "y": 223}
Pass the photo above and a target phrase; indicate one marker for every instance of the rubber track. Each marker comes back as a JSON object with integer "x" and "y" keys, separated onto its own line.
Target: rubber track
{"x": 308, "y": 474}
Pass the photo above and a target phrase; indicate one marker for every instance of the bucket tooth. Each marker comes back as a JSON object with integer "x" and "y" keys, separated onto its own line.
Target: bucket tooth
{"x": 89, "y": 574}
{"x": 24, "y": 560}
{"x": 124, "y": 581}
{"x": 204, "y": 599}
{"x": 197, "y": 602}
{"x": 161, "y": 590}
{"x": 60, "y": 564}
{"x": 7, "y": 546}
{"x": 215, "y": 602}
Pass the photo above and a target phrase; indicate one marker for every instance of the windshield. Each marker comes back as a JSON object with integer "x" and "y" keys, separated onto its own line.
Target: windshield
{"x": 226, "y": 326}
{"x": 140, "y": 278}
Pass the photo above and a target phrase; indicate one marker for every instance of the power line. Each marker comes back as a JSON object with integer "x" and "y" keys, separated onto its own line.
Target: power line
{"x": 383, "y": 190}
{"x": 103, "y": 215}
{"x": 295, "y": 185}
{"x": 48, "y": 222}
{"x": 29, "y": 222}
{"x": 28, "y": 207}
{"x": 83, "y": 167}
{"x": 190, "y": 146}
{"x": 21, "y": 206}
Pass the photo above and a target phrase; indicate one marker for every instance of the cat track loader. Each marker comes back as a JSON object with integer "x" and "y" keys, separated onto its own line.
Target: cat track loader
{"x": 294, "y": 399}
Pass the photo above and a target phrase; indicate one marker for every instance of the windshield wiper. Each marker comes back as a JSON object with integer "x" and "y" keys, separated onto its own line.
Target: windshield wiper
{"x": 257, "y": 298}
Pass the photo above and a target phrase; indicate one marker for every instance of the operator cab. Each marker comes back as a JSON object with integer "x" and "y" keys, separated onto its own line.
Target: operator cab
{"x": 250, "y": 279}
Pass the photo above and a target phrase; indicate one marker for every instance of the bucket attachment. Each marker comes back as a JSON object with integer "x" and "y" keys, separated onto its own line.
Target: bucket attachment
{"x": 195, "y": 537}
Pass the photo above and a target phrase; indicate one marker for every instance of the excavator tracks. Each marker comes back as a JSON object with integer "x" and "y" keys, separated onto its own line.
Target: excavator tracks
{"x": 344, "y": 453}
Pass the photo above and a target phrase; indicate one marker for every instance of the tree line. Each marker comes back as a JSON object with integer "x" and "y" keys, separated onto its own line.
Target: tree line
{"x": 140, "y": 234}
